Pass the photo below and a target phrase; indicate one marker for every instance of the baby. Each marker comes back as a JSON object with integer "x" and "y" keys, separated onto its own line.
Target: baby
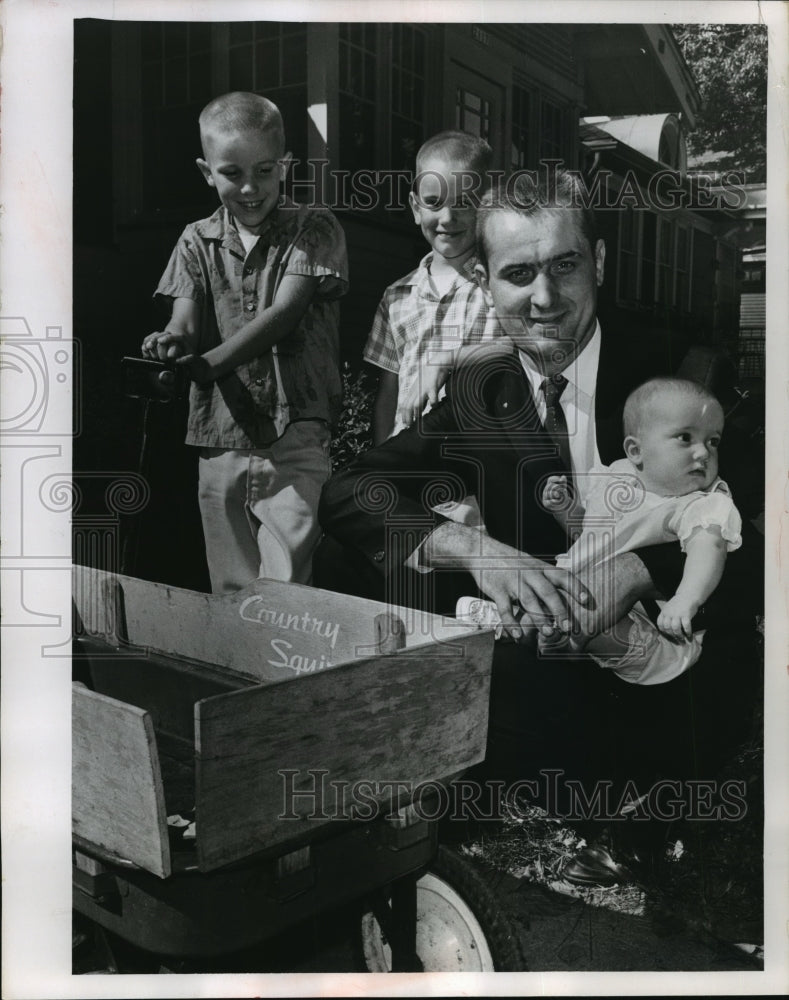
{"x": 666, "y": 490}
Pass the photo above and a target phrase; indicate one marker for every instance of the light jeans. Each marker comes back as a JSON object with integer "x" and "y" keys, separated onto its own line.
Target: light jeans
{"x": 260, "y": 507}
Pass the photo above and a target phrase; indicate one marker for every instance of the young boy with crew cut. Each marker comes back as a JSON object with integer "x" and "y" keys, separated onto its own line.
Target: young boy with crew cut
{"x": 424, "y": 317}
{"x": 255, "y": 317}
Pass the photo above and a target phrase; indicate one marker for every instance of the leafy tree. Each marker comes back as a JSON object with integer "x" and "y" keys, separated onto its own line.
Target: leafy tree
{"x": 729, "y": 63}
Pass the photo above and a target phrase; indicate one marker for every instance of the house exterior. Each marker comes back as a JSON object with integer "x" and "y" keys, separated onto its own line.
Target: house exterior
{"x": 611, "y": 101}
{"x": 358, "y": 99}
{"x": 753, "y": 297}
{"x": 672, "y": 237}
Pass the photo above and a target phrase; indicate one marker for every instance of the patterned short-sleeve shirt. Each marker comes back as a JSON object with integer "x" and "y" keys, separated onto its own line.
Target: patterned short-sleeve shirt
{"x": 300, "y": 378}
{"x": 413, "y": 320}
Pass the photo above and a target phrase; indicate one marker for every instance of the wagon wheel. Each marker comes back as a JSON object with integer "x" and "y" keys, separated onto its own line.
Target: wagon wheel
{"x": 460, "y": 924}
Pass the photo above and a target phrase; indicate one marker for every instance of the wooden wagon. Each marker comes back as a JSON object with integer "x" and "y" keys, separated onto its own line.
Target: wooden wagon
{"x": 302, "y": 729}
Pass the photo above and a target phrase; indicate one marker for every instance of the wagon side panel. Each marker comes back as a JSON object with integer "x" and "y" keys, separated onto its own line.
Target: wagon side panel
{"x": 277, "y": 762}
{"x": 117, "y": 795}
{"x": 261, "y": 633}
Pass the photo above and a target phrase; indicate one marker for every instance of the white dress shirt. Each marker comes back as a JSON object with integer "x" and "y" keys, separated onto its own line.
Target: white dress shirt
{"x": 577, "y": 401}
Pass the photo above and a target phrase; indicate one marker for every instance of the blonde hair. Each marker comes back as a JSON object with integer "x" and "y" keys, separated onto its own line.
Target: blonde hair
{"x": 240, "y": 111}
{"x": 637, "y": 403}
{"x": 463, "y": 148}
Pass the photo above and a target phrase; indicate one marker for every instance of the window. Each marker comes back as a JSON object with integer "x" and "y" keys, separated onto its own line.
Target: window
{"x": 175, "y": 85}
{"x": 664, "y": 293}
{"x": 382, "y": 120}
{"x": 629, "y": 250}
{"x": 541, "y": 128}
{"x": 267, "y": 56}
{"x": 654, "y": 261}
{"x": 522, "y": 128}
{"x": 703, "y": 270}
{"x": 750, "y": 354}
{"x": 270, "y": 58}
{"x": 648, "y": 247}
{"x": 552, "y": 129}
{"x": 175, "y": 69}
{"x": 182, "y": 66}
{"x": 358, "y": 95}
{"x": 682, "y": 270}
{"x": 753, "y": 278}
{"x": 408, "y": 95}
{"x": 472, "y": 113}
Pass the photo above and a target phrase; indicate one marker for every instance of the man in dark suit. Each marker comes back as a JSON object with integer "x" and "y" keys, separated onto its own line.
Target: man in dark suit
{"x": 552, "y": 405}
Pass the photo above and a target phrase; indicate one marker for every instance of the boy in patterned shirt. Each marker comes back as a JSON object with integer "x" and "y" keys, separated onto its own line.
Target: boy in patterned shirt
{"x": 424, "y": 317}
{"x": 254, "y": 292}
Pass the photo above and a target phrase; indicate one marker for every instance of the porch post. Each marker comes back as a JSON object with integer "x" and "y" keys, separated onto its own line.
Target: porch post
{"x": 322, "y": 104}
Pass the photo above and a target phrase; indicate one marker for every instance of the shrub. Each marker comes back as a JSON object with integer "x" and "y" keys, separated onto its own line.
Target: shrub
{"x": 353, "y": 434}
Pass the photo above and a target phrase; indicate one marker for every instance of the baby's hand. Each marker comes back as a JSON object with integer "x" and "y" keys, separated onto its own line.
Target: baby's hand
{"x": 675, "y": 617}
{"x": 556, "y": 493}
{"x": 431, "y": 379}
{"x": 165, "y": 346}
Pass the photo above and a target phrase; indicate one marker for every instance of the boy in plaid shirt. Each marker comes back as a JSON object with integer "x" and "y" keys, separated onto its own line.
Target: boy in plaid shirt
{"x": 424, "y": 317}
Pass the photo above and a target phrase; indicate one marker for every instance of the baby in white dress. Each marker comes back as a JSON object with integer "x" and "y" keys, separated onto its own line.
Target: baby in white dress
{"x": 667, "y": 489}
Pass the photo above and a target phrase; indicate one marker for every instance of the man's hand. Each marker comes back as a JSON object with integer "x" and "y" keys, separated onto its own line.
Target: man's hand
{"x": 550, "y": 597}
{"x": 676, "y": 616}
{"x": 545, "y": 592}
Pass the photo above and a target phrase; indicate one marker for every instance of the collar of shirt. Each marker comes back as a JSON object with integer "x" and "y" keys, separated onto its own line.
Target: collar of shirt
{"x": 421, "y": 277}
{"x": 222, "y": 226}
{"x": 581, "y": 375}
{"x": 577, "y": 401}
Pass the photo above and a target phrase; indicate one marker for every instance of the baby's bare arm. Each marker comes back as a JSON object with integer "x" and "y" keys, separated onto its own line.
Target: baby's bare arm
{"x": 704, "y": 562}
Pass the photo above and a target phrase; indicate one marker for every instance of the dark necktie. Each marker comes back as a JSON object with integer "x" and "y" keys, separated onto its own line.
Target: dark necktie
{"x": 555, "y": 422}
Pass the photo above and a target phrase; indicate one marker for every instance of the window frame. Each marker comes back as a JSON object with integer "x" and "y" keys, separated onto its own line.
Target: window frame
{"x": 538, "y": 96}
{"x": 132, "y": 207}
{"x": 661, "y": 269}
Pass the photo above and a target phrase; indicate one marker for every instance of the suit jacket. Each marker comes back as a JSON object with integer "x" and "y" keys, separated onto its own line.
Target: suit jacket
{"x": 485, "y": 439}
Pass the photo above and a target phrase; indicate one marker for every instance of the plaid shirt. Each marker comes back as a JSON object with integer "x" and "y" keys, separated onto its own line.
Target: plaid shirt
{"x": 412, "y": 320}
{"x": 300, "y": 378}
